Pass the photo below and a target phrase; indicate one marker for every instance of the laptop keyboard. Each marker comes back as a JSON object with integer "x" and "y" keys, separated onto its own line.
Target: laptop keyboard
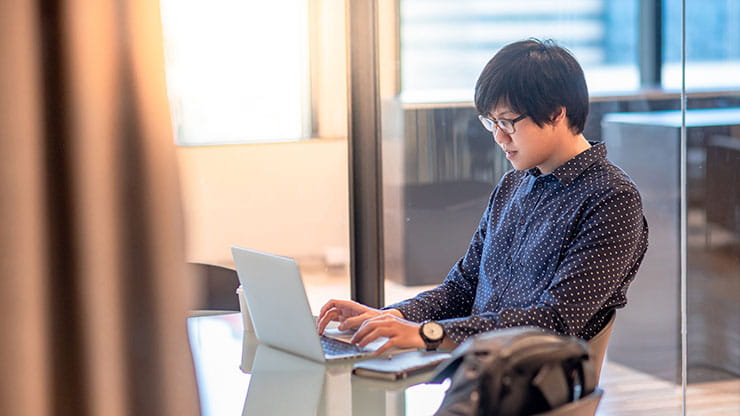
{"x": 335, "y": 347}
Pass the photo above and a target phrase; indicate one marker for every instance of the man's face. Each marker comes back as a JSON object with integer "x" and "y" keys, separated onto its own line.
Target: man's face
{"x": 529, "y": 145}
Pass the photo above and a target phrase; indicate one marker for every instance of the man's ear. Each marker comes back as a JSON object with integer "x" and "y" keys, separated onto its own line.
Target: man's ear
{"x": 558, "y": 116}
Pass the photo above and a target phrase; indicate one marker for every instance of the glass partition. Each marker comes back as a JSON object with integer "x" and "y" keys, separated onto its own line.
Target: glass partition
{"x": 713, "y": 206}
{"x": 443, "y": 43}
{"x": 440, "y": 165}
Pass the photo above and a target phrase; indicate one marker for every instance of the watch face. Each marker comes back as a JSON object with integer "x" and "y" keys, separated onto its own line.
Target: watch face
{"x": 433, "y": 331}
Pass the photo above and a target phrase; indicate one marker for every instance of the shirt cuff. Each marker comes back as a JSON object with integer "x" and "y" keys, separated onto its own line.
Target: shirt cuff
{"x": 406, "y": 310}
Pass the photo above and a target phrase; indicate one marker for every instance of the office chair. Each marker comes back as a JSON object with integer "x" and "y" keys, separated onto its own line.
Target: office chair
{"x": 587, "y": 405}
{"x": 598, "y": 345}
{"x": 215, "y": 286}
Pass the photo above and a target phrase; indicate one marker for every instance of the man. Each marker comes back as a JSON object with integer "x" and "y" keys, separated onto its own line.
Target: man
{"x": 562, "y": 236}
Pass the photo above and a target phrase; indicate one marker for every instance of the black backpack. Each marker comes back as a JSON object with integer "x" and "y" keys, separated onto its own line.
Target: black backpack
{"x": 516, "y": 371}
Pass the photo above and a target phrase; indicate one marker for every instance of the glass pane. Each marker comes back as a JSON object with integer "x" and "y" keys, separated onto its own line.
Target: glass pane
{"x": 290, "y": 199}
{"x": 713, "y": 52}
{"x": 237, "y": 72}
{"x": 713, "y": 214}
{"x": 444, "y": 164}
{"x": 443, "y": 43}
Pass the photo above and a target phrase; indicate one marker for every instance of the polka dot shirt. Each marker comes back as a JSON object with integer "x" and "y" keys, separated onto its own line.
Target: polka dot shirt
{"x": 556, "y": 251}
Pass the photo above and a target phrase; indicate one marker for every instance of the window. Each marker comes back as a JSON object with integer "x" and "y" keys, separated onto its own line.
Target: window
{"x": 712, "y": 44}
{"x": 444, "y": 44}
{"x": 237, "y": 72}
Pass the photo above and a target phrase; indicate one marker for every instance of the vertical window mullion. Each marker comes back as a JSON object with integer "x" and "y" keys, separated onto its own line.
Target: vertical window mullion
{"x": 651, "y": 43}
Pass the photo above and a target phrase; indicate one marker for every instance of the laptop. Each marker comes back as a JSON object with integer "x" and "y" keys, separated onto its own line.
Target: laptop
{"x": 280, "y": 312}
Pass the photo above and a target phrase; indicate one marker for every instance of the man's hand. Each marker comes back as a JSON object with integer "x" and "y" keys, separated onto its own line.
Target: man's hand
{"x": 373, "y": 323}
{"x": 349, "y": 314}
{"x": 400, "y": 333}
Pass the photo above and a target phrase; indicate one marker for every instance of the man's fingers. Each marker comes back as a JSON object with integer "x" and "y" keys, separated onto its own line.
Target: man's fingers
{"x": 373, "y": 328}
{"x": 328, "y": 305}
{"x": 364, "y": 329}
{"x": 368, "y": 315}
{"x": 385, "y": 347}
{"x": 326, "y": 317}
{"x": 400, "y": 334}
{"x": 354, "y": 322}
{"x": 369, "y": 337}
{"x": 349, "y": 314}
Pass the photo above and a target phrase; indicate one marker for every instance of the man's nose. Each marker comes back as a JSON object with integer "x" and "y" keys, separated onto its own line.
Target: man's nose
{"x": 499, "y": 136}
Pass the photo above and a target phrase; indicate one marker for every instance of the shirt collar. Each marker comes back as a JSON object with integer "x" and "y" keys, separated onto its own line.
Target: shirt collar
{"x": 571, "y": 169}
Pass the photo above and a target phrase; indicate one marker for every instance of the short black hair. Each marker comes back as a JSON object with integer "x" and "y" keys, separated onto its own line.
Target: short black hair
{"x": 535, "y": 78}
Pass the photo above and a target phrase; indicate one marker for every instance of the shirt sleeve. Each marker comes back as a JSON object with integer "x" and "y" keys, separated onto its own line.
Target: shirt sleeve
{"x": 455, "y": 296}
{"x": 607, "y": 248}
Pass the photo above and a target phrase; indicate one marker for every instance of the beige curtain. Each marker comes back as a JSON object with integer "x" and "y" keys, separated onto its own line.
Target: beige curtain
{"x": 92, "y": 312}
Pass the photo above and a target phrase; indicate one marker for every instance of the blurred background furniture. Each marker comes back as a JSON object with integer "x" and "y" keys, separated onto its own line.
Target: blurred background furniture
{"x": 215, "y": 287}
{"x": 723, "y": 163}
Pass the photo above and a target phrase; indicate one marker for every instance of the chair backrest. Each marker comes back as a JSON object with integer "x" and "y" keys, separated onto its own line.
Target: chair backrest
{"x": 587, "y": 405}
{"x": 599, "y": 343}
{"x": 215, "y": 287}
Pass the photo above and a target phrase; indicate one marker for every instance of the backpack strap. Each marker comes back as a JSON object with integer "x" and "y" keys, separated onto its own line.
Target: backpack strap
{"x": 551, "y": 382}
{"x": 590, "y": 382}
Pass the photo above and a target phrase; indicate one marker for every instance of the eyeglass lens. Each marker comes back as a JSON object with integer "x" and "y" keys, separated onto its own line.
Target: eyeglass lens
{"x": 505, "y": 125}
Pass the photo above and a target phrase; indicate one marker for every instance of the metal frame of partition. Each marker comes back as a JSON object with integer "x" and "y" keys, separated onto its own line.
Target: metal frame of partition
{"x": 651, "y": 43}
{"x": 365, "y": 161}
{"x": 683, "y": 265}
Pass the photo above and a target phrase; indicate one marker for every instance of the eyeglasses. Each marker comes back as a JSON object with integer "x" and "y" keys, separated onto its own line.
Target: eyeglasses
{"x": 503, "y": 124}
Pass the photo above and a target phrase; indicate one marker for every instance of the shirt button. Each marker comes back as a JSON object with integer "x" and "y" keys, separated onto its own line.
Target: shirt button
{"x": 495, "y": 298}
{"x": 522, "y": 221}
{"x": 508, "y": 261}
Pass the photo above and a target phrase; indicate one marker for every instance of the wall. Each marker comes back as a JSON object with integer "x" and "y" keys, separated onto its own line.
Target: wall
{"x": 285, "y": 198}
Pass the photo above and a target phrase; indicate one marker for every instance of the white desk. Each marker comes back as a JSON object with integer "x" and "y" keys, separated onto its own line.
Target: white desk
{"x": 238, "y": 376}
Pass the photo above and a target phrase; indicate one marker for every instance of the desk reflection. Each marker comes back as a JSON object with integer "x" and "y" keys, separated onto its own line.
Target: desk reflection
{"x": 238, "y": 376}
{"x": 284, "y": 384}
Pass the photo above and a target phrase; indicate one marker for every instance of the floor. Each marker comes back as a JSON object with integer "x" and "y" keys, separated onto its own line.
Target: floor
{"x": 629, "y": 392}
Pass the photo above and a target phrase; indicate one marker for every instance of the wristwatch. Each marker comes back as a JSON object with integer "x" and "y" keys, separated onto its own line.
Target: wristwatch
{"x": 432, "y": 333}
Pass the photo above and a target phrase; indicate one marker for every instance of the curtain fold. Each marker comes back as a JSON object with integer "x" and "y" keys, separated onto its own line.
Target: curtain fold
{"x": 92, "y": 304}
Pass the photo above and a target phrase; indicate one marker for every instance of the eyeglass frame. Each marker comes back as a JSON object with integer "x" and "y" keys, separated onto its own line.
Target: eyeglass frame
{"x": 495, "y": 123}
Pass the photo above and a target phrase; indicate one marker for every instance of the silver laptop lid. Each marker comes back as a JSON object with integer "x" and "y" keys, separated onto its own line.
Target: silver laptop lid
{"x": 277, "y": 302}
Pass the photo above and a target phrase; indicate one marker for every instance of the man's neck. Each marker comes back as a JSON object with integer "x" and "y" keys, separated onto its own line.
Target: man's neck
{"x": 572, "y": 146}
{"x": 581, "y": 145}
